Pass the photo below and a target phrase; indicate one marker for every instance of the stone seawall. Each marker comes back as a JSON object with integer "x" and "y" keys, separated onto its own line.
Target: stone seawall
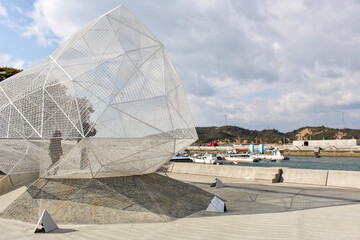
{"x": 330, "y": 178}
{"x": 323, "y": 153}
{"x": 251, "y": 173}
{"x": 305, "y": 176}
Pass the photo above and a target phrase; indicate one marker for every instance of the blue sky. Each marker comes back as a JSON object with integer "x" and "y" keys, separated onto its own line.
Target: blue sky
{"x": 277, "y": 63}
{"x": 12, "y": 41}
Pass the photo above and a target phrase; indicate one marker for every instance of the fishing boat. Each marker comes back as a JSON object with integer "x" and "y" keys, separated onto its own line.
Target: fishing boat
{"x": 236, "y": 158}
{"x": 180, "y": 158}
{"x": 275, "y": 156}
{"x": 207, "y": 158}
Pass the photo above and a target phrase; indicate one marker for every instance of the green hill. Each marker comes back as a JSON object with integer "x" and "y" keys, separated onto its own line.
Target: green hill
{"x": 234, "y": 134}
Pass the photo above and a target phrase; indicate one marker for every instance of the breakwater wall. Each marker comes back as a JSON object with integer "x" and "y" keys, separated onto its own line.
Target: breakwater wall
{"x": 251, "y": 173}
{"x": 323, "y": 153}
{"x": 331, "y": 178}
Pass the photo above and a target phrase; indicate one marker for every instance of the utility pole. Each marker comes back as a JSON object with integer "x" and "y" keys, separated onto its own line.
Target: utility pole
{"x": 342, "y": 120}
{"x": 225, "y": 120}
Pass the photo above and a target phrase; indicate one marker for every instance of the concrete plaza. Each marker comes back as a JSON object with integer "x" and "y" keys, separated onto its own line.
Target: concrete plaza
{"x": 256, "y": 210}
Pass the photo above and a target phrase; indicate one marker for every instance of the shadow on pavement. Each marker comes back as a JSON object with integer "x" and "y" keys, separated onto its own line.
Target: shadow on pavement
{"x": 243, "y": 198}
{"x": 63, "y": 230}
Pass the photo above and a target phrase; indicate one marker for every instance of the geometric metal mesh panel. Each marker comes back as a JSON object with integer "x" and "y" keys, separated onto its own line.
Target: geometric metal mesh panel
{"x": 107, "y": 102}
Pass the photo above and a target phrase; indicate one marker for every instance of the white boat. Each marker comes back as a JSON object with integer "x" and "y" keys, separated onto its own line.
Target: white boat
{"x": 181, "y": 157}
{"x": 275, "y": 156}
{"x": 235, "y": 158}
{"x": 207, "y": 159}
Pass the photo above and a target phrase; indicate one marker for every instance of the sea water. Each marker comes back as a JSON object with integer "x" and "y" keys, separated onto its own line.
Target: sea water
{"x": 325, "y": 163}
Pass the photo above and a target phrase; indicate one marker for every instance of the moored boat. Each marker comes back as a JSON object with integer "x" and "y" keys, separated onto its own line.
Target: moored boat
{"x": 180, "y": 158}
{"x": 240, "y": 158}
{"x": 275, "y": 156}
{"x": 207, "y": 159}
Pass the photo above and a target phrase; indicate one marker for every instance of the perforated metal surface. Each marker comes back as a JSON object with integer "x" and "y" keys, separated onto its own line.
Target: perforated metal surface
{"x": 107, "y": 102}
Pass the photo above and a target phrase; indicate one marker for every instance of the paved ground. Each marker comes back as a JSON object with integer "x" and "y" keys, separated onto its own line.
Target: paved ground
{"x": 256, "y": 211}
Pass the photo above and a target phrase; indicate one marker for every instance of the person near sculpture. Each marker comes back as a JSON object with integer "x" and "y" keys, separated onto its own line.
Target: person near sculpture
{"x": 55, "y": 150}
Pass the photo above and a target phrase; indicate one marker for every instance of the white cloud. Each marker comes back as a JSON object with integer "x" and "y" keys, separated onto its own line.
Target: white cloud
{"x": 55, "y": 20}
{"x": 10, "y": 61}
{"x": 277, "y": 62}
{"x": 276, "y": 46}
{"x": 3, "y": 11}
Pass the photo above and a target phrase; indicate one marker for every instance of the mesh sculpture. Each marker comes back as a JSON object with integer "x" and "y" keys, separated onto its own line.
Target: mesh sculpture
{"x": 107, "y": 102}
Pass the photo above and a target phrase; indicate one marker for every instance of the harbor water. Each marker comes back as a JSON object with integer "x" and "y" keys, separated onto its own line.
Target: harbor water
{"x": 324, "y": 163}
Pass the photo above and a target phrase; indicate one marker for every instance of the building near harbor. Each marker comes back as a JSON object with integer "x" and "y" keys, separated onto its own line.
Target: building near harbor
{"x": 337, "y": 143}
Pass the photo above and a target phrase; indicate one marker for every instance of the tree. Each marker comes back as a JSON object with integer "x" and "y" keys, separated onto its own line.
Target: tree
{"x": 6, "y": 72}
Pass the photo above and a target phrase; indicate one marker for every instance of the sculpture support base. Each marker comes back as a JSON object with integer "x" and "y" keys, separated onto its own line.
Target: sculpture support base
{"x": 145, "y": 198}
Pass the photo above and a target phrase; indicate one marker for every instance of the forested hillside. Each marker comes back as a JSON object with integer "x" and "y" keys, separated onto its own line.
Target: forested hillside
{"x": 234, "y": 134}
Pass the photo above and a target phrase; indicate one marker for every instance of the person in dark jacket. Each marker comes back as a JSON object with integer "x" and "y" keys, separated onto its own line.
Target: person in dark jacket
{"x": 55, "y": 149}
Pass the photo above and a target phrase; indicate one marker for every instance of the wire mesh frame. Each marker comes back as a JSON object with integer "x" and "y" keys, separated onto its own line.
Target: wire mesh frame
{"x": 112, "y": 82}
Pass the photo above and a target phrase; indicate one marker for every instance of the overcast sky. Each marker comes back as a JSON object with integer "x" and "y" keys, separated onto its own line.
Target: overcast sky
{"x": 281, "y": 64}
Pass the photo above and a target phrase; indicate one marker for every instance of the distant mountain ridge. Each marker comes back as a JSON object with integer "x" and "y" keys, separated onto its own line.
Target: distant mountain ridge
{"x": 232, "y": 134}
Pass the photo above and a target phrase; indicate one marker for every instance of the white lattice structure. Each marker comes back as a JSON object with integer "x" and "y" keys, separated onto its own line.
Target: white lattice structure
{"x": 107, "y": 102}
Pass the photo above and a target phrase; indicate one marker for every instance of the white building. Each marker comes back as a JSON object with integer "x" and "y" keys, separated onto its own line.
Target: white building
{"x": 338, "y": 143}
